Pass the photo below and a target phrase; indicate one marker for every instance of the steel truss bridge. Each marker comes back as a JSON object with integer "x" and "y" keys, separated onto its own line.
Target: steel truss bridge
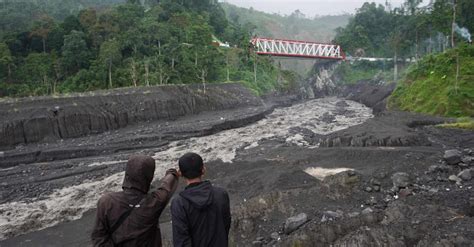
{"x": 295, "y": 48}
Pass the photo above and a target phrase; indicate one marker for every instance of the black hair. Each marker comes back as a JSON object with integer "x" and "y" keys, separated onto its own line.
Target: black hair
{"x": 191, "y": 165}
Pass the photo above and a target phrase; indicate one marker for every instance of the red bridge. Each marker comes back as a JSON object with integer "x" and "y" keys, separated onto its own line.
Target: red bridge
{"x": 295, "y": 48}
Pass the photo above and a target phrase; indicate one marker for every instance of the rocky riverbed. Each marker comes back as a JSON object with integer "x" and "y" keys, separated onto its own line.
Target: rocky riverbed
{"x": 318, "y": 173}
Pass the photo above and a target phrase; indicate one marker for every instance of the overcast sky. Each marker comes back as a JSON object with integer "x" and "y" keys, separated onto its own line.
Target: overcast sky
{"x": 309, "y": 7}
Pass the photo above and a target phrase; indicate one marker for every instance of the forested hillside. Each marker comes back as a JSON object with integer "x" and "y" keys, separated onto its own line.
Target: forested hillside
{"x": 94, "y": 45}
{"x": 441, "y": 82}
{"x": 20, "y": 15}
{"x": 410, "y": 30}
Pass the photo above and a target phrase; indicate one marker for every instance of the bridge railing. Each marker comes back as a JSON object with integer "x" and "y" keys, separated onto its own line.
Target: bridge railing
{"x": 295, "y": 48}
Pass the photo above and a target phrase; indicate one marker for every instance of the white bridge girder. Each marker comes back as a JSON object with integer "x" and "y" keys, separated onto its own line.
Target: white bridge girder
{"x": 294, "y": 48}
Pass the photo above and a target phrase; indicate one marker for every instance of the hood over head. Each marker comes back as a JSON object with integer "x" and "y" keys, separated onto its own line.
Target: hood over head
{"x": 139, "y": 173}
{"x": 200, "y": 195}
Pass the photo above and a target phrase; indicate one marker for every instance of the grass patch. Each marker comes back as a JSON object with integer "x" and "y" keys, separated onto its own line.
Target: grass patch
{"x": 461, "y": 123}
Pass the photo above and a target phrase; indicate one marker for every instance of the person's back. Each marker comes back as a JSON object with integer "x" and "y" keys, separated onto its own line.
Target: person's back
{"x": 138, "y": 226}
{"x": 200, "y": 213}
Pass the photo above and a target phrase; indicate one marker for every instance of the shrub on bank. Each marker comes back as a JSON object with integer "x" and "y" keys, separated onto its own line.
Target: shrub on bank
{"x": 441, "y": 84}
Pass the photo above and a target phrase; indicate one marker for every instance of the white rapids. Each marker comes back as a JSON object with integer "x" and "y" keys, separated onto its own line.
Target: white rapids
{"x": 70, "y": 203}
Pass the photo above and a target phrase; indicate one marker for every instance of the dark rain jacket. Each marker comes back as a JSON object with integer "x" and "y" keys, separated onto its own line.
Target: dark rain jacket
{"x": 141, "y": 227}
{"x": 201, "y": 216}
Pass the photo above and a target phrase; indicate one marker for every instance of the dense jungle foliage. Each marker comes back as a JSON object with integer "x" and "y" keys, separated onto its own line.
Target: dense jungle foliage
{"x": 441, "y": 82}
{"x": 410, "y": 30}
{"x": 52, "y": 46}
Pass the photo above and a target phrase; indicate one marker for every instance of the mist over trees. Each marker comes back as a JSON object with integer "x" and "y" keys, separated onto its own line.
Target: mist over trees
{"x": 54, "y": 46}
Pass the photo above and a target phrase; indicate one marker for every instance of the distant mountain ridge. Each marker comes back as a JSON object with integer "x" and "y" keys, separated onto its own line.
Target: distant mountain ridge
{"x": 294, "y": 26}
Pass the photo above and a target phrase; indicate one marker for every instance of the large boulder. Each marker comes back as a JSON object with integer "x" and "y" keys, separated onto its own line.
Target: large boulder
{"x": 295, "y": 222}
{"x": 400, "y": 180}
{"x": 452, "y": 156}
{"x": 465, "y": 175}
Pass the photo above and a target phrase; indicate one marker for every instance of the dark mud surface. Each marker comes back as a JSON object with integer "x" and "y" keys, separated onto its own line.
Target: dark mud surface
{"x": 384, "y": 182}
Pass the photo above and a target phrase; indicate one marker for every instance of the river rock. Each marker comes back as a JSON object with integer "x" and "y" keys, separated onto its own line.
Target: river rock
{"x": 353, "y": 214}
{"x": 351, "y": 173}
{"x": 471, "y": 207}
{"x": 331, "y": 215}
{"x": 454, "y": 178}
{"x": 257, "y": 243}
{"x": 439, "y": 168}
{"x": 367, "y": 211}
{"x": 468, "y": 160}
{"x": 368, "y": 216}
{"x": 295, "y": 222}
{"x": 452, "y": 156}
{"x": 464, "y": 165}
{"x": 342, "y": 104}
{"x": 246, "y": 225}
{"x": 405, "y": 193}
{"x": 374, "y": 181}
{"x": 465, "y": 175}
{"x": 400, "y": 180}
{"x": 376, "y": 188}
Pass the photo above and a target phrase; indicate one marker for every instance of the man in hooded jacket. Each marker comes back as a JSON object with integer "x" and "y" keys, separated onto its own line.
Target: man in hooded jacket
{"x": 200, "y": 213}
{"x": 141, "y": 226}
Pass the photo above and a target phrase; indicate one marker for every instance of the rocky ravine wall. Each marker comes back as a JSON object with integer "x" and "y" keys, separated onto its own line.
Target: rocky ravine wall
{"x": 322, "y": 82}
{"x": 29, "y": 120}
{"x": 325, "y": 82}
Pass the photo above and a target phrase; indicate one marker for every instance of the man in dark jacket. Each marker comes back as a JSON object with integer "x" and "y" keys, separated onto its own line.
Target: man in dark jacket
{"x": 201, "y": 213}
{"x": 141, "y": 226}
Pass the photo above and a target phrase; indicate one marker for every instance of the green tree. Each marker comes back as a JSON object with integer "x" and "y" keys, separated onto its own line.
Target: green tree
{"x": 75, "y": 52}
{"x": 42, "y": 28}
{"x": 411, "y": 6}
{"x": 466, "y": 14}
{"x": 71, "y": 23}
{"x": 374, "y": 19}
{"x": 110, "y": 55}
{"x": 105, "y": 28}
{"x": 128, "y": 15}
{"x": 88, "y": 18}
{"x": 441, "y": 16}
{"x": 56, "y": 38}
{"x": 218, "y": 19}
{"x": 6, "y": 60}
{"x": 37, "y": 69}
